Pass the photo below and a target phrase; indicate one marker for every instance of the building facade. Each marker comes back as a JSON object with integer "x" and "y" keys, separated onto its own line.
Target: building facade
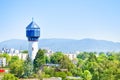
{"x": 2, "y": 62}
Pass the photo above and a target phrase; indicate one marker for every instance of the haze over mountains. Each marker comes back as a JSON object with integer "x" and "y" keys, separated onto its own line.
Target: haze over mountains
{"x": 65, "y": 45}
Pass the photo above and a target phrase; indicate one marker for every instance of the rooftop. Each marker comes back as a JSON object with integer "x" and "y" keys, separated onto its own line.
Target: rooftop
{"x": 32, "y": 25}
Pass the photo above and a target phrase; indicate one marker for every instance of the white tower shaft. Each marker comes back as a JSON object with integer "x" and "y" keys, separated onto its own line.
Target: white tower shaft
{"x": 33, "y": 49}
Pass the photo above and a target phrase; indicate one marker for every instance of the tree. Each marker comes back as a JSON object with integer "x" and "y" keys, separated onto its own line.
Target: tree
{"x": 42, "y": 75}
{"x": 66, "y": 63}
{"x": 16, "y": 68}
{"x": 49, "y": 71}
{"x": 56, "y": 57}
{"x": 76, "y": 71}
{"x": 28, "y": 68}
{"x": 92, "y": 57}
{"x": 47, "y": 59}
{"x": 25, "y": 51}
{"x": 61, "y": 74}
{"x": 39, "y": 60}
{"x": 9, "y": 77}
{"x": 8, "y": 58}
{"x": 13, "y": 59}
{"x": 87, "y": 75}
{"x": 83, "y": 55}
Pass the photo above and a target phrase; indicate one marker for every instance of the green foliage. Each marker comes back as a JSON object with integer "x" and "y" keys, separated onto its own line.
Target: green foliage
{"x": 16, "y": 68}
{"x": 9, "y": 77}
{"x": 25, "y": 51}
{"x": 66, "y": 63}
{"x": 39, "y": 60}
{"x": 90, "y": 66}
{"x": 76, "y": 71}
{"x": 56, "y": 57}
{"x": 83, "y": 55}
{"x": 61, "y": 74}
{"x": 42, "y": 75}
{"x": 63, "y": 60}
{"x": 28, "y": 68}
{"x": 47, "y": 59}
{"x": 49, "y": 70}
{"x": 87, "y": 75}
{"x": 13, "y": 59}
{"x": 101, "y": 67}
{"x": 5, "y": 55}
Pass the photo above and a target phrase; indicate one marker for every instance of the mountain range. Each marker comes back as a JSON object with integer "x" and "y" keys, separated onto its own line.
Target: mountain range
{"x": 65, "y": 45}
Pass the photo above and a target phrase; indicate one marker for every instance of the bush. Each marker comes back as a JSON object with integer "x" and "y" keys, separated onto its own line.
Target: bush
{"x": 9, "y": 77}
{"x": 60, "y": 74}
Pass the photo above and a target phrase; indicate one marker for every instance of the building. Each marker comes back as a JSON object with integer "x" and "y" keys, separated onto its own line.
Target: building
{"x": 14, "y": 52}
{"x": 49, "y": 52}
{"x": 20, "y": 55}
{"x": 71, "y": 56}
{"x": 33, "y": 34}
{"x": 9, "y": 50}
{"x": 3, "y": 62}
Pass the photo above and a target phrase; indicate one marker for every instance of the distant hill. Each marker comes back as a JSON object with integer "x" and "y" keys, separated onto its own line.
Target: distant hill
{"x": 65, "y": 45}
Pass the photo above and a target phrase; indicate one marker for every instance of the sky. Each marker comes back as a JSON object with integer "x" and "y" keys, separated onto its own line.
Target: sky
{"x": 68, "y": 19}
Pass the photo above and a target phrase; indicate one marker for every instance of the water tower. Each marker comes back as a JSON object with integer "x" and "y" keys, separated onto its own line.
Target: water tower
{"x": 33, "y": 34}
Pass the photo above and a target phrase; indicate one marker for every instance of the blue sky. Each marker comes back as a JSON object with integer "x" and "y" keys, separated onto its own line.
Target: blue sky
{"x": 71, "y": 19}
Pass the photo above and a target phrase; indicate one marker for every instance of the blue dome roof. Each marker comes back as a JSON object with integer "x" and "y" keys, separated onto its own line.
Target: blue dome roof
{"x": 32, "y": 25}
{"x": 33, "y": 31}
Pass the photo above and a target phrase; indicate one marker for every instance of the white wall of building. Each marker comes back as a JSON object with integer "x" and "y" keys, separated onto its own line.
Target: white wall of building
{"x": 71, "y": 56}
{"x": 20, "y": 55}
{"x": 2, "y": 62}
{"x": 33, "y": 49}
